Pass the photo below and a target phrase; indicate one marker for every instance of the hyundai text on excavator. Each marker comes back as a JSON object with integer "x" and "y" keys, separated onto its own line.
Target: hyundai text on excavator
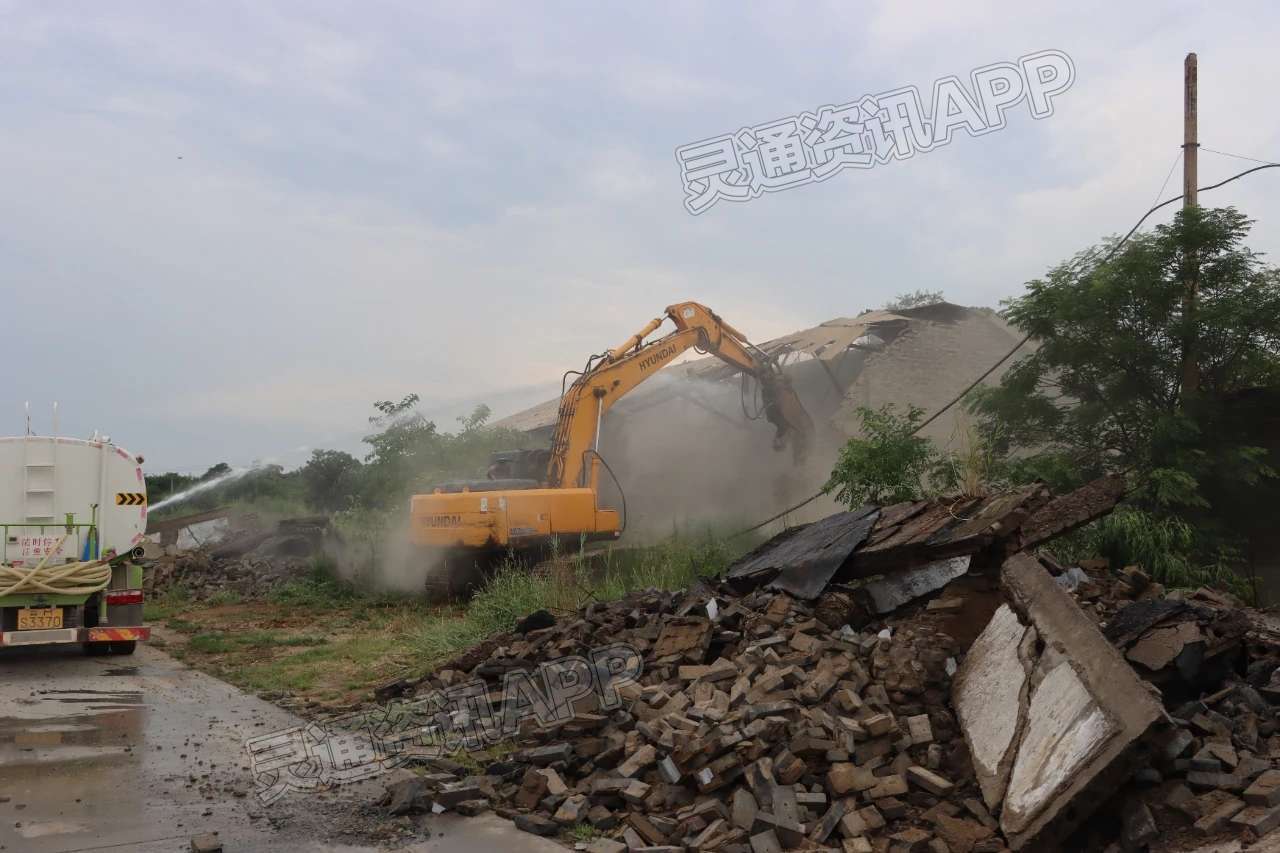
{"x": 535, "y": 497}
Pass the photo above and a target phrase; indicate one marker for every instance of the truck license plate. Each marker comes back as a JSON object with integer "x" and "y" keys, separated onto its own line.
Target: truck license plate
{"x": 39, "y": 618}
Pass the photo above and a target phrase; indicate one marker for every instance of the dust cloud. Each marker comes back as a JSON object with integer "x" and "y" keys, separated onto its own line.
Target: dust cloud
{"x": 385, "y": 560}
{"x": 688, "y": 459}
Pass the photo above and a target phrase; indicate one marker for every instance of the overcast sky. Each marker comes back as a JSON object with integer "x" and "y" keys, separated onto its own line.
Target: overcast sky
{"x": 228, "y": 228}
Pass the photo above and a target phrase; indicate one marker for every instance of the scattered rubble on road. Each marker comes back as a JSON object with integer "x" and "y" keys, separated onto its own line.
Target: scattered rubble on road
{"x": 206, "y": 842}
{"x": 938, "y": 689}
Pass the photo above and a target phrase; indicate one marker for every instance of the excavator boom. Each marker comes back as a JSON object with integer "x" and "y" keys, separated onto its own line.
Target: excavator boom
{"x": 574, "y": 461}
{"x": 563, "y": 502}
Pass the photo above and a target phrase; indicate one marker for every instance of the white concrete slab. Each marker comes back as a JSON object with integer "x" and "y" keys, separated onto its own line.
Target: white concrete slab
{"x": 1065, "y": 728}
{"x": 988, "y": 696}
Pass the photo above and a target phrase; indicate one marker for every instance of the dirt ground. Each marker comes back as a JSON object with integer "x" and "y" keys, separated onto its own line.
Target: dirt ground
{"x": 309, "y": 658}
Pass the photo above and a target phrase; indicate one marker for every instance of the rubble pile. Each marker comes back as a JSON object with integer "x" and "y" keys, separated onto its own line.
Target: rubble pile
{"x": 250, "y": 560}
{"x": 764, "y": 728}
{"x": 1209, "y": 773}
{"x": 937, "y": 688}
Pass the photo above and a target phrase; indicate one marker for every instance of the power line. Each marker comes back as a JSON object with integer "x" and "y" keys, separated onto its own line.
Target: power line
{"x": 1178, "y": 197}
{"x": 1240, "y": 156}
{"x": 1020, "y": 343}
{"x": 1160, "y": 191}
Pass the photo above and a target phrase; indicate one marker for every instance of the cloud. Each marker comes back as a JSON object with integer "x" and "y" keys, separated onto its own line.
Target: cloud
{"x": 467, "y": 201}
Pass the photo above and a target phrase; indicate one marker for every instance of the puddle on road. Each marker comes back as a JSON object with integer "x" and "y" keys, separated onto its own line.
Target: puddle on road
{"x": 121, "y": 670}
{"x": 50, "y": 827}
{"x": 111, "y": 731}
{"x": 67, "y": 777}
{"x": 86, "y": 690}
{"x": 97, "y": 700}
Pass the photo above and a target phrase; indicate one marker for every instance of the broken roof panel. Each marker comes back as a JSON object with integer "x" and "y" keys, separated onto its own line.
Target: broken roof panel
{"x": 803, "y": 560}
{"x": 945, "y": 528}
{"x": 825, "y": 341}
{"x": 940, "y": 535}
{"x": 949, "y": 343}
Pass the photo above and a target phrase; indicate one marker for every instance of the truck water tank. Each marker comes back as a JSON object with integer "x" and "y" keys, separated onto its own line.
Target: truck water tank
{"x": 43, "y": 479}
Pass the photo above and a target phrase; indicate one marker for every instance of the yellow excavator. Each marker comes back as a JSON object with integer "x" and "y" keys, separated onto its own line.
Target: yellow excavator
{"x": 535, "y": 497}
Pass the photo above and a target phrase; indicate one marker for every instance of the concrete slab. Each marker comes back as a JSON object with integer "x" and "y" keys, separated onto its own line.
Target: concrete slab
{"x": 990, "y": 700}
{"x": 1065, "y": 728}
{"x": 1070, "y": 726}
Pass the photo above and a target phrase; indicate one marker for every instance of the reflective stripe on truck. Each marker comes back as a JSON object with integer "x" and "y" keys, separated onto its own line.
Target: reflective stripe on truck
{"x": 74, "y": 635}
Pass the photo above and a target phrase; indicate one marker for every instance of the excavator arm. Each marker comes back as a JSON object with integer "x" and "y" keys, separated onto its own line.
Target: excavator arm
{"x": 611, "y": 375}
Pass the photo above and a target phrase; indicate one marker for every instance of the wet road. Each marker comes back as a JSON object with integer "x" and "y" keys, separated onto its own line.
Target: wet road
{"x": 140, "y": 753}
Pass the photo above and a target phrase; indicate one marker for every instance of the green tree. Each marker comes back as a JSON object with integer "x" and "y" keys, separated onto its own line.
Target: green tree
{"x": 402, "y": 432}
{"x": 403, "y": 435}
{"x": 914, "y": 299}
{"x": 888, "y": 463}
{"x": 477, "y": 419}
{"x": 331, "y": 478}
{"x": 160, "y": 486}
{"x": 409, "y": 453}
{"x": 1102, "y": 391}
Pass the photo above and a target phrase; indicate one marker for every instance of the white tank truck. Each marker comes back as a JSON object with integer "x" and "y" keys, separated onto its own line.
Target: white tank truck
{"x": 72, "y": 517}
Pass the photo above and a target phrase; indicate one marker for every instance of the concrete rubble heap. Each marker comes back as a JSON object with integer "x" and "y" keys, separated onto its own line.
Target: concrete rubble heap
{"x": 250, "y": 559}
{"x": 940, "y": 689}
{"x": 761, "y": 729}
{"x": 1202, "y": 777}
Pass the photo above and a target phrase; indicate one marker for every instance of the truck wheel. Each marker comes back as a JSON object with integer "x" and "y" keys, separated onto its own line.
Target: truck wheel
{"x": 124, "y": 648}
{"x": 96, "y": 648}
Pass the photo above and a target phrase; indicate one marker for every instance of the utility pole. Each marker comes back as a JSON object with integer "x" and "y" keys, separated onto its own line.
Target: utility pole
{"x": 1190, "y": 148}
{"x": 1190, "y": 144}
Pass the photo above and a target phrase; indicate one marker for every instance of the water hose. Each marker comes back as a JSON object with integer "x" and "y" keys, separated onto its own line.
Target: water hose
{"x": 82, "y": 578}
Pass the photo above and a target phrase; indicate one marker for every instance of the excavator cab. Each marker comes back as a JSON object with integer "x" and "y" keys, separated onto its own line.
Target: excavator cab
{"x": 519, "y": 465}
{"x": 508, "y": 469}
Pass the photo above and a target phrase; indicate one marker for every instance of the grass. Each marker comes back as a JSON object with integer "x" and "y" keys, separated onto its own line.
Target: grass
{"x": 514, "y": 592}
{"x": 317, "y": 637}
{"x": 1164, "y": 546}
{"x": 166, "y": 605}
{"x": 259, "y": 639}
{"x": 324, "y": 640}
{"x": 327, "y": 654}
{"x": 584, "y": 833}
{"x": 223, "y": 597}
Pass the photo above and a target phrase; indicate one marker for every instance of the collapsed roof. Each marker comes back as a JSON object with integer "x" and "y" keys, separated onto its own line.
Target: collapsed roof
{"x": 911, "y": 357}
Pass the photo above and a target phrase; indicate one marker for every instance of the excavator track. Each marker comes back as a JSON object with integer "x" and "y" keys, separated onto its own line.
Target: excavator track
{"x": 454, "y": 574}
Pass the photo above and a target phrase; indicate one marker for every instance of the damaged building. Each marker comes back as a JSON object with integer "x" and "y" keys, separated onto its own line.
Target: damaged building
{"x": 684, "y": 432}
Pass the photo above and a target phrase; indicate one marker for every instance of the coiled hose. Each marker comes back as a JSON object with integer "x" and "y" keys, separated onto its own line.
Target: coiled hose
{"x": 83, "y": 578}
